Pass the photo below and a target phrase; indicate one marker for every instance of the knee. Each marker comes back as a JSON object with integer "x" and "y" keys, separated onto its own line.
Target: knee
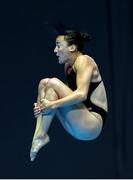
{"x": 43, "y": 82}
{"x": 52, "y": 82}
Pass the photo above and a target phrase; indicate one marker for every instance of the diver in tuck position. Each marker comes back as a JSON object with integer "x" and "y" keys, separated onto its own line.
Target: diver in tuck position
{"x": 81, "y": 104}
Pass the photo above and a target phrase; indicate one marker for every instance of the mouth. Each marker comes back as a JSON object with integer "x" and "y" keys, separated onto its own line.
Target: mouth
{"x": 59, "y": 59}
{"x": 58, "y": 56}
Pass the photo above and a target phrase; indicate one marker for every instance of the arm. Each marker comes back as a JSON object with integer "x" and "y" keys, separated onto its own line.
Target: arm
{"x": 84, "y": 69}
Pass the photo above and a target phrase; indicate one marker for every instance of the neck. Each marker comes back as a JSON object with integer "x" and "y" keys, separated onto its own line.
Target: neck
{"x": 75, "y": 55}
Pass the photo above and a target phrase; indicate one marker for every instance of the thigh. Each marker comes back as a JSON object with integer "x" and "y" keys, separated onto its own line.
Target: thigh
{"x": 76, "y": 119}
{"x": 79, "y": 122}
{"x": 60, "y": 88}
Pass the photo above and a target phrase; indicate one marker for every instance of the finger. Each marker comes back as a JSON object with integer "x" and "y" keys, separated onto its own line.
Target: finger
{"x": 35, "y": 105}
{"x": 37, "y": 114}
{"x": 36, "y": 109}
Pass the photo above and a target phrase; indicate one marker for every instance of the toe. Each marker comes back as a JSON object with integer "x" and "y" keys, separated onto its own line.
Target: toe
{"x": 33, "y": 155}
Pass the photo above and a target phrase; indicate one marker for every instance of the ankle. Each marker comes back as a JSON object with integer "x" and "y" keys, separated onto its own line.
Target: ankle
{"x": 41, "y": 136}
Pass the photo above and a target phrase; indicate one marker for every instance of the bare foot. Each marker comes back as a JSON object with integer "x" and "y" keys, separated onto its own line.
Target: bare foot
{"x": 37, "y": 144}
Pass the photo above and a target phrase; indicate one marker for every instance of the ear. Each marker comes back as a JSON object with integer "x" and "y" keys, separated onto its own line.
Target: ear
{"x": 72, "y": 48}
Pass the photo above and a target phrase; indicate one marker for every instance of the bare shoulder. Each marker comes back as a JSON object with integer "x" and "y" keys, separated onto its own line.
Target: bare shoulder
{"x": 91, "y": 60}
{"x": 84, "y": 61}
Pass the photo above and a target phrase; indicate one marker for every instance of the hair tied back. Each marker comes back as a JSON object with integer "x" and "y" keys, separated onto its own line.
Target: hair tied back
{"x": 85, "y": 37}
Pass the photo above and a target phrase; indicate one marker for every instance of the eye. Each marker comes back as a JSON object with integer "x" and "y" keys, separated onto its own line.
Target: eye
{"x": 58, "y": 46}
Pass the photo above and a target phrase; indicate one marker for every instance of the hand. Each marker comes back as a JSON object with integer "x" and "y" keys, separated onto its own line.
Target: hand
{"x": 46, "y": 106}
{"x": 37, "y": 110}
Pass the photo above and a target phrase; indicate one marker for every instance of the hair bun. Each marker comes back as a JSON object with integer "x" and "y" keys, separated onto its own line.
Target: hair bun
{"x": 85, "y": 37}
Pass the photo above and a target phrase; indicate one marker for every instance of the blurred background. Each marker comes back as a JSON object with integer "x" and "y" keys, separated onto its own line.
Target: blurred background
{"x": 26, "y": 56}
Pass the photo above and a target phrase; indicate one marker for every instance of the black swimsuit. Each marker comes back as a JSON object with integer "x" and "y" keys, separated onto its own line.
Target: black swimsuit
{"x": 71, "y": 80}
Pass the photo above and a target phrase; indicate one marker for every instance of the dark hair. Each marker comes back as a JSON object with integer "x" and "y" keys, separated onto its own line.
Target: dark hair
{"x": 72, "y": 36}
{"x": 77, "y": 38}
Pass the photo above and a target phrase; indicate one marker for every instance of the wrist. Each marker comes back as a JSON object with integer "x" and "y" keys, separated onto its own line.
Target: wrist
{"x": 55, "y": 104}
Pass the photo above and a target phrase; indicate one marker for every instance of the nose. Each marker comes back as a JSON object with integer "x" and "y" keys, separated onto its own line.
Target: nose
{"x": 55, "y": 50}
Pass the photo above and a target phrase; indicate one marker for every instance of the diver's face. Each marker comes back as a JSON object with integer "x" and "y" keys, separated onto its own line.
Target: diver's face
{"x": 62, "y": 50}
